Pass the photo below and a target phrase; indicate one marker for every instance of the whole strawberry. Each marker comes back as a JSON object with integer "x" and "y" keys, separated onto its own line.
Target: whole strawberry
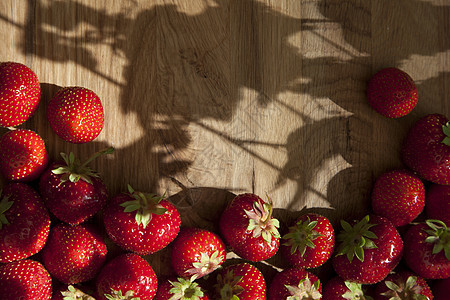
{"x": 399, "y": 196}
{"x": 74, "y": 254}
{"x": 427, "y": 249}
{"x": 241, "y": 281}
{"x": 23, "y": 156}
{"x": 392, "y": 93}
{"x": 179, "y": 288}
{"x": 310, "y": 241}
{"x": 143, "y": 223}
{"x": 248, "y": 227}
{"x": 76, "y": 114}
{"x": 368, "y": 250}
{"x": 338, "y": 289}
{"x": 24, "y": 222}
{"x": 20, "y": 93}
{"x": 197, "y": 252}
{"x": 426, "y": 149}
{"x": 127, "y": 276}
{"x": 295, "y": 283}
{"x": 71, "y": 190}
{"x": 403, "y": 285}
{"x": 437, "y": 203}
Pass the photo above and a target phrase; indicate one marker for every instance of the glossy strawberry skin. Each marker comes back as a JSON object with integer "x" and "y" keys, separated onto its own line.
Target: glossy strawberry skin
{"x": 419, "y": 255}
{"x": 399, "y": 196}
{"x": 124, "y": 231}
{"x": 23, "y": 155}
{"x": 392, "y": 93}
{"x": 424, "y": 152}
{"x": 135, "y": 274}
{"x": 29, "y": 223}
{"x": 74, "y": 254}
{"x": 76, "y": 114}
{"x": 378, "y": 262}
{"x": 290, "y": 277}
{"x": 20, "y": 93}
{"x": 25, "y": 279}
{"x": 437, "y": 203}
{"x": 400, "y": 278}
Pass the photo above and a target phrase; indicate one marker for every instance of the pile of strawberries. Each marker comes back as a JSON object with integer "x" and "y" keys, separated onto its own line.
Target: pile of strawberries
{"x": 53, "y": 245}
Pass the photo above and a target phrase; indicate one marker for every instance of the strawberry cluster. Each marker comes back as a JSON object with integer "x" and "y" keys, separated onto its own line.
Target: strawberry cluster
{"x": 62, "y": 236}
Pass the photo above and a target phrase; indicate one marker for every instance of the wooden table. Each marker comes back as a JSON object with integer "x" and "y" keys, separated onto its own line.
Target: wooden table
{"x": 205, "y": 99}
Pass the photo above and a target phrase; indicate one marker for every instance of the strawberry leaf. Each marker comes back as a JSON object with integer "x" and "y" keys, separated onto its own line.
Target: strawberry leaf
{"x": 446, "y": 130}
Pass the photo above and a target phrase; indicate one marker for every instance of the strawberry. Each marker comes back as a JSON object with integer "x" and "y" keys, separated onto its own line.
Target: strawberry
{"x": 74, "y": 254}
{"x": 427, "y": 249}
{"x": 403, "y": 285}
{"x": 127, "y": 276}
{"x": 441, "y": 289}
{"x": 24, "y": 222}
{"x": 310, "y": 241}
{"x": 70, "y": 292}
{"x": 179, "y": 288}
{"x": 392, "y": 93}
{"x": 426, "y": 149}
{"x": 241, "y": 281}
{"x": 23, "y": 156}
{"x": 377, "y": 246}
{"x": 248, "y": 227}
{"x": 197, "y": 252}
{"x": 25, "y": 279}
{"x": 338, "y": 289}
{"x": 143, "y": 223}
{"x": 437, "y": 203}
{"x": 295, "y": 283}
{"x": 399, "y": 196}
{"x": 20, "y": 93}
{"x": 72, "y": 191}
{"x": 76, "y": 114}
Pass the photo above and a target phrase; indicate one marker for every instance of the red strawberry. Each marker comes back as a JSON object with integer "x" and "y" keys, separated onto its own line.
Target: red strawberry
{"x": 141, "y": 222}
{"x": 127, "y": 276}
{"x": 437, "y": 203}
{"x": 179, "y": 288}
{"x": 76, "y": 114}
{"x": 23, "y": 156}
{"x": 74, "y": 254}
{"x": 377, "y": 246}
{"x": 241, "y": 281}
{"x": 24, "y": 222}
{"x": 197, "y": 252}
{"x": 248, "y": 227}
{"x": 72, "y": 191}
{"x": 441, "y": 289}
{"x": 392, "y": 93}
{"x": 25, "y": 279}
{"x": 427, "y": 249}
{"x": 338, "y": 289}
{"x": 399, "y": 196}
{"x": 295, "y": 283}
{"x": 403, "y": 285}
{"x": 310, "y": 241}
{"x": 20, "y": 93}
{"x": 426, "y": 149}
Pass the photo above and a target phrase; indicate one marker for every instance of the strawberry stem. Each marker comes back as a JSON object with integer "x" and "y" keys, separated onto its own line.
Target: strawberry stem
{"x": 439, "y": 235}
{"x": 446, "y": 130}
{"x": 73, "y": 293}
{"x": 185, "y": 289}
{"x": 261, "y": 222}
{"x": 301, "y": 236}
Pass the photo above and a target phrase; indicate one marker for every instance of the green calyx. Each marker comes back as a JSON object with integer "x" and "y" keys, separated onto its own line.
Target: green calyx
{"x": 446, "y": 130}
{"x": 117, "y": 295}
{"x": 73, "y": 293}
{"x": 74, "y": 170}
{"x": 404, "y": 290}
{"x": 439, "y": 235}
{"x": 305, "y": 290}
{"x": 355, "y": 292}
{"x": 261, "y": 222}
{"x": 207, "y": 264}
{"x": 145, "y": 205}
{"x": 5, "y": 204}
{"x": 185, "y": 289}
{"x": 228, "y": 286}
{"x": 301, "y": 236}
{"x": 355, "y": 239}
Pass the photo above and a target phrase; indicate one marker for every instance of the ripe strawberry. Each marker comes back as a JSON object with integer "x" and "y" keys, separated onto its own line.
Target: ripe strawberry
{"x": 403, "y": 285}
{"x": 127, "y": 276}
{"x": 310, "y": 241}
{"x": 197, "y": 252}
{"x": 179, "y": 288}
{"x": 377, "y": 246}
{"x": 241, "y": 281}
{"x": 426, "y": 149}
{"x": 392, "y": 93}
{"x": 24, "y": 222}
{"x": 441, "y": 289}
{"x": 20, "y": 93}
{"x": 141, "y": 222}
{"x": 23, "y": 156}
{"x": 25, "y": 279}
{"x": 295, "y": 283}
{"x": 248, "y": 227}
{"x": 72, "y": 191}
{"x": 76, "y": 114}
{"x": 74, "y": 254}
{"x": 399, "y": 196}
{"x": 437, "y": 203}
{"x": 427, "y": 249}
{"x": 338, "y": 289}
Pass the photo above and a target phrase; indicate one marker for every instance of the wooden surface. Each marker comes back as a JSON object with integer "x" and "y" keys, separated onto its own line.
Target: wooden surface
{"x": 205, "y": 99}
